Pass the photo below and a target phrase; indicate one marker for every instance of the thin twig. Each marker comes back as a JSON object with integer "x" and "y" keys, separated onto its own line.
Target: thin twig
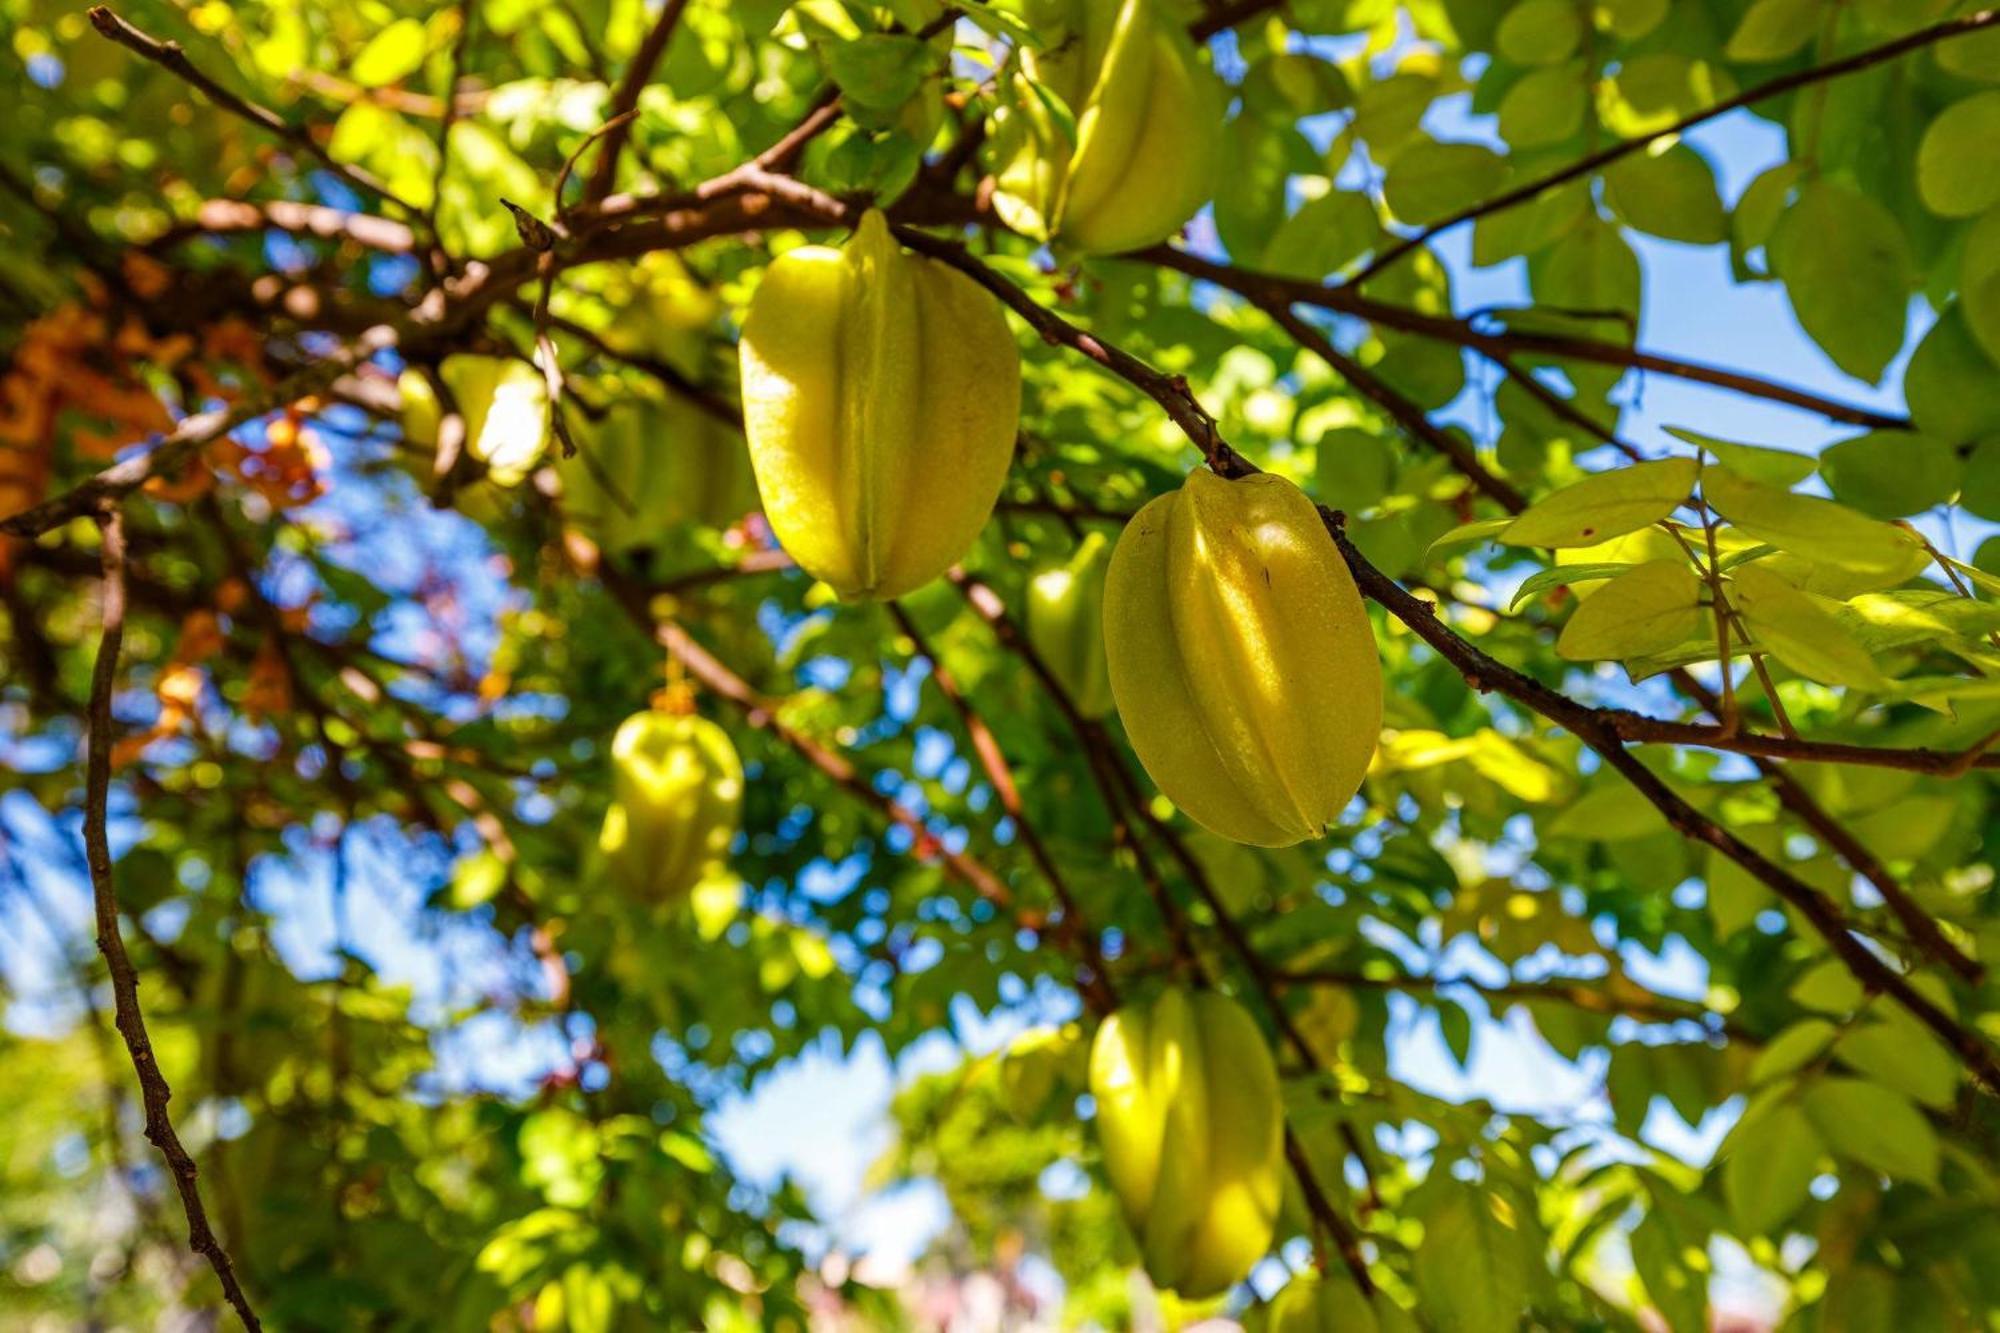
{"x": 625, "y": 99}
{"x": 131, "y": 1022}
{"x": 170, "y": 55}
{"x": 1583, "y": 166}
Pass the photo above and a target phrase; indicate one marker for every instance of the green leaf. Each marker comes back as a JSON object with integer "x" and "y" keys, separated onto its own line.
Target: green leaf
{"x": 1762, "y": 204}
{"x": 1956, "y": 176}
{"x": 1773, "y": 467}
{"x": 1891, "y": 473}
{"x": 1774, "y": 29}
{"x": 1670, "y": 194}
{"x": 1829, "y": 988}
{"x": 1806, "y": 525}
{"x": 1952, "y": 385}
{"x": 1770, "y": 1167}
{"x": 1324, "y": 236}
{"x": 1646, "y": 610}
{"x": 1590, "y": 270}
{"x": 1564, "y": 576}
{"x": 1629, "y": 19}
{"x": 1847, "y": 268}
{"x": 1355, "y": 468}
{"x": 1979, "y": 284}
{"x": 1467, "y": 534}
{"x": 1540, "y": 32}
{"x": 1735, "y": 896}
{"x": 1605, "y": 505}
{"x": 1546, "y": 107}
{"x": 391, "y": 55}
{"x": 1793, "y": 1049}
{"x": 1429, "y": 180}
{"x": 878, "y": 70}
{"x": 1980, "y": 495}
{"x": 1795, "y": 629}
{"x": 1469, "y": 1269}
{"x": 1878, "y": 1128}
{"x": 1895, "y": 1051}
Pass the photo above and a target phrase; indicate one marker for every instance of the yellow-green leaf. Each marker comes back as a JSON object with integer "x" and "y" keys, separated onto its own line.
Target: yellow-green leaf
{"x": 1773, "y": 29}
{"x": 1771, "y": 1165}
{"x": 1773, "y": 467}
{"x": 1846, "y": 267}
{"x": 1956, "y": 173}
{"x": 1891, "y": 473}
{"x": 1645, "y": 610}
{"x": 1808, "y": 526}
{"x": 1670, "y": 193}
{"x": 1874, "y": 1126}
{"x": 1605, "y": 505}
{"x": 1795, "y": 629}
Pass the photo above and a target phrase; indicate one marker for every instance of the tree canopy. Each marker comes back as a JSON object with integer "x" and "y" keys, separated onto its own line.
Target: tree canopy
{"x": 411, "y": 682}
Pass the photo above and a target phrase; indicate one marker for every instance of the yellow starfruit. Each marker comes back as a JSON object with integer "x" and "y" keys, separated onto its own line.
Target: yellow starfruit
{"x": 1192, "y": 1128}
{"x": 676, "y": 798}
{"x": 1242, "y": 661}
{"x": 881, "y": 391}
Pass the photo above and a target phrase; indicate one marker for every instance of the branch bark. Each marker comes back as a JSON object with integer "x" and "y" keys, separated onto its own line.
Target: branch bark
{"x": 170, "y": 56}
{"x": 130, "y": 1021}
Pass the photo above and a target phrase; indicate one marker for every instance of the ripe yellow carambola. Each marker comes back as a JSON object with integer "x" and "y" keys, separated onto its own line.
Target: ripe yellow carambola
{"x": 1146, "y": 145}
{"x": 1190, "y": 1120}
{"x": 1066, "y": 624}
{"x": 653, "y": 466}
{"x": 880, "y": 396}
{"x": 676, "y": 797}
{"x": 1242, "y": 660}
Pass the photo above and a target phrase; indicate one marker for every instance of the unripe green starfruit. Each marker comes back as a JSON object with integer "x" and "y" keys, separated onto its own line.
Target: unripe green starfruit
{"x": 880, "y": 395}
{"x": 1145, "y": 145}
{"x": 676, "y": 797}
{"x": 1066, "y": 624}
{"x": 652, "y": 467}
{"x": 1241, "y": 658}
{"x": 1192, "y": 1127}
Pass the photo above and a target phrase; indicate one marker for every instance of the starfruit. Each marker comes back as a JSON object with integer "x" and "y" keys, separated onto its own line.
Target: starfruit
{"x": 880, "y": 395}
{"x": 676, "y": 797}
{"x": 1192, "y": 1128}
{"x": 1066, "y": 624}
{"x": 653, "y": 467}
{"x": 1241, "y": 658}
{"x": 1133, "y": 150}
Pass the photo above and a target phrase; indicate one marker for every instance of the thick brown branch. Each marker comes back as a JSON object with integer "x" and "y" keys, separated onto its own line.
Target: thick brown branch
{"x": 170, "y": 56}
{"x": 1583, "y": 166}
{"x": 625, "y": 99}
{"x": 131, "y": 1022}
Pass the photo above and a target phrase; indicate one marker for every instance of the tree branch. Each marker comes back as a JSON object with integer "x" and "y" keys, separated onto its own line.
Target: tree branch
{"x": 625, "y": 100}
{"x": 170, "y": 56}
{"x": 1268, "y": 289}
{"x": 131, "y": 1023}
{"x": 1583, "y": 166}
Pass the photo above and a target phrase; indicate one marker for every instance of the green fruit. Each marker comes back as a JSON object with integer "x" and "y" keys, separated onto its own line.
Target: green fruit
{"x": 1066, "y": 624}
{"x": 1192, "y": 1128}
{"x": 880, "y": 395}
{"x": 653, "y": 467}
{"x": 676, "y": 797}
{"x": 1146, "y": 144}
{"x": 1242, "y": 660}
